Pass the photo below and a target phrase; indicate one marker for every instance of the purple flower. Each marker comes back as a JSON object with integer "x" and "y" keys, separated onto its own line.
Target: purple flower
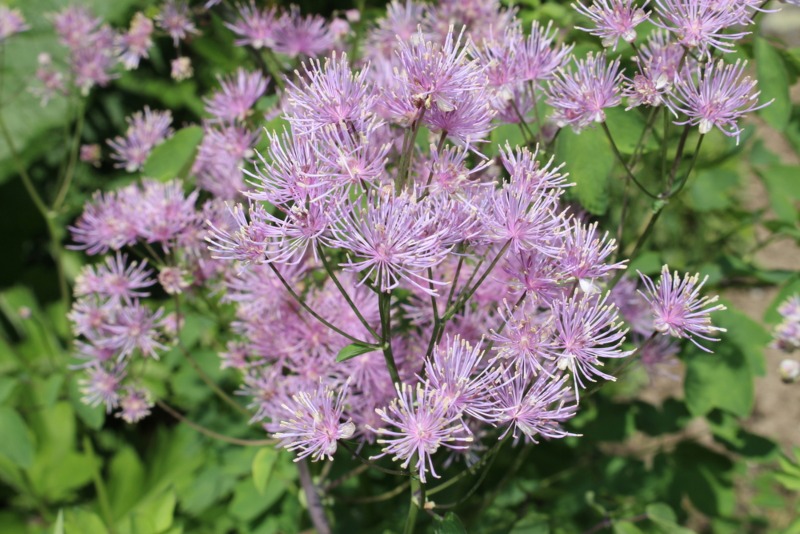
{"x": 103, "y": 386}
{"x": 584, "y": 254}
{"x": 462, "y": 379}
{"x": 527, "y": 223}
{"x": 220, "y": 158}
{"x": 349, "y": 160}
{"x": 718, "y": 96}
{"x": 255, "y": 27}
{"x": 236, "y": 98}
{"x": 164, "y": 212}
{"x": 175, "y": 19}
{"x": 699, "y": 23}
{"x": 106, "y": 222}
{"x": 75, "y": 26}
{"x": 90, "y": 154}
{"x": 536, "y": 405}
{"x": 136, "y": 328}
{"x": 11, "y": 23}
{"x": 528, "y": 173}
{"x": 433, "y": 75}
{"x": 399, "y": 25}
{"x": 586, "y": 331}
{"x": 333, "y": 94}
{"x": 181, "y": 69}
{"x": 613, "y": 19}
{"x": 392, "y": 240}
{"x": 134, "y": 45}
{"x": 678, "y": 308}
{"x": 580, "y": 96}
{"x": 316, "y": 424}
{"x": 632, "y": 306}
{"x": 424, "y": 423}
{"x": 468, "y": 122}
{"x": 297, "y": 35}
{"x": 115, "y": 281}
{"x": 134, "y": 405}
{"x": 145, "y": 132}
{"x": 538, "y": 59}
{"x": 525, "y": 340}
{"x": 50, "y": 81}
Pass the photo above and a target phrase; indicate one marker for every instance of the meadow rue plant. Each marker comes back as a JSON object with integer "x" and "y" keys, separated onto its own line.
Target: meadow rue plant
{"x": 404, "y": 284}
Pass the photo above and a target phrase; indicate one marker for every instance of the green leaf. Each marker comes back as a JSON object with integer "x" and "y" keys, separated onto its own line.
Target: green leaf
{"x": 626, "y": 128}
{"x": 353, "y": 350}
{"x": 263, "y": 465}
{"x": 658, "y": 512}
{"x": 16, "y": 442}
{"x": 773, "y": 81}
{"x": 451, "y": 524}
{"x": 626, "y": 527}
{"x": 783, "y": 188}
{"x": 532, "y": 523}
{"x": 721, "y": 380}
{"x": 7, "y": 385}
{"x": 77, "y": 521}
{"x": 125, "y": 481}
{"x": 92, "y": 416}
{"x": 589, "y": 161}
{"x": 58, "y": 527}
{"x": 747, "y": 334}
{"x": 174, "y": 157}
{"x": 792, "y": 287}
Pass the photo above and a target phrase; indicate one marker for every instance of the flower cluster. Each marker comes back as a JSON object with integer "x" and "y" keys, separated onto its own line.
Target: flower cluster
{"x": 406, "y": 293}
{"x": 786, "y": 337}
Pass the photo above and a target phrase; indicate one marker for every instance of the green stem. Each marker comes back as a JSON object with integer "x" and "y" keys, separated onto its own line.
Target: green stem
{"x": 199, "y": 370}
{"x": 69, "y": 174}
{"x": 413, "y": 507}
{"x": 55, "y": 245}
{"x": 384, "y": 308}
{"x": 464, "y": 297}
{"x": 472, "y": 470}
{"x": 622, "y": 162}
{"x": 331, "y": 273}
{"x": 210, "y": 433}
{"x": 408, "y": 151}
{"x": 317, "y": 316}
{"x": 99, "y": 487}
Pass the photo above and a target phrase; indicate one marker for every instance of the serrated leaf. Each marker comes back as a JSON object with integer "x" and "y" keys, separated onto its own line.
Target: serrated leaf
{"x": 773, "y": 82}
{"x": 263, "y": 466}
{"x": 174, "y": 157}
{"x": 15, "y": 443}
{"x": 451, "y": 524}
{"x": 353, "y": 350}
{"x": 589, "y": 161}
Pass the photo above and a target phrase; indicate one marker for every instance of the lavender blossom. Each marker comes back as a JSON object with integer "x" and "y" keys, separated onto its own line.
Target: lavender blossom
{"x": 181, "y": 69}
{"x": 116, "y": 280}
{"x": 787, "y": 333}
{"x": 11, "y": 23}
{"x": 678, "y": 309}
{"x": 50, "y": 81}
{"x": 586, "y": 331}
{"x": 462, "y": 380}
{"x": 136, "y": 328}
{"x": 145, "y": 131}
{"x": 538, "y": 59}
{"x": 699, "y": 24}
{"x": 718, "y": 96}
{"x": 297, "y": 35}
{"x": 175, "y": 19}
{"x": 613, "y": 19}
{"x": 103, "y": 386}
{"x": 316, "y": 424}
{"x": 536, "y": 405}
{"x": 134, "y": 45}
{"x": 134, "y": 405}
{"x": 394, "y": 240}
{"x": 255, "y": 27}
{"x": 424, "y": 423}
{"x": 579, "y": 97}
{"x": 237, "y": 96}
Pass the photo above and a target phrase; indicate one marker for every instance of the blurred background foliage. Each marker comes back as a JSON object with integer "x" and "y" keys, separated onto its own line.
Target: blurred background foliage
{"x": 654, "y": 454}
